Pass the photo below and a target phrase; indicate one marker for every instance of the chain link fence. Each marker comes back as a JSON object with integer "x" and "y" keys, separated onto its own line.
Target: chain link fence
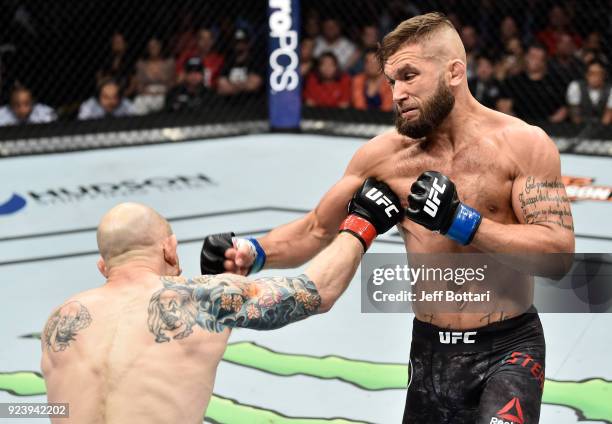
{"x": 206, "y": 61}
{"x": 543, "y": 61}
{"x": 84, "y": 59}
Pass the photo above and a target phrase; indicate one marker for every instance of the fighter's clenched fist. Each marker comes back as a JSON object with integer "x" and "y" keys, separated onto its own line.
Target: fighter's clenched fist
{"x": 224, "y": 252}
{"x": 374, "y": 209}
{"x": 433, "y": 203}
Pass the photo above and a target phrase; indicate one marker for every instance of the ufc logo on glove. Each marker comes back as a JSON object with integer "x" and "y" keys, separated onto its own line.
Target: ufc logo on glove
{"x": 432, "y": 203}
{"x": 380, "y": 199}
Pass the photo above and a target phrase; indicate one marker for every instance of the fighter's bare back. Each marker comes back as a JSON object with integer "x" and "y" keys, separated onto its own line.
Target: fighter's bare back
{"x": 100, "y": 356}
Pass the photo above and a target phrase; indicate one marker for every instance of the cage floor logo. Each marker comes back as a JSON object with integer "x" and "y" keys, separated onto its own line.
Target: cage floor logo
{"x": 122, "y": 188}
{"x": 14, "y": 204}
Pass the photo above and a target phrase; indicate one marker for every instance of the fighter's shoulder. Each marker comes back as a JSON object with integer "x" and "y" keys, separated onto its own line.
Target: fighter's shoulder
{"x": 376, "y": 150}
{"x": 82, "y": 300}
{"x": 523, "y": 138}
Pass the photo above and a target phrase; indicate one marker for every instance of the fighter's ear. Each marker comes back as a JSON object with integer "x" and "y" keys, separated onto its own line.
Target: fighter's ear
{"x": 457, "y": 72}
{"x": 102, "y": 267}
{"x": 170, "y": 255}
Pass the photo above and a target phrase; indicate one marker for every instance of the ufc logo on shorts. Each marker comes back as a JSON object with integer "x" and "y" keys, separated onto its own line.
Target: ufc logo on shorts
{"x": 454, "y": 337}
{"x": 432, "y": 202}
{"x": 378, "y": 198}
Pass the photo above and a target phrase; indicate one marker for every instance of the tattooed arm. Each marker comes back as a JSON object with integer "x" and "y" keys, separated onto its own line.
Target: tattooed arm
{"x": 539, "y": 202}
{"x": 227, "y": 300}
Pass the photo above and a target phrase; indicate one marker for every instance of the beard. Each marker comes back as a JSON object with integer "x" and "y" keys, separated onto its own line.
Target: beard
{"x": 432, "y": 114}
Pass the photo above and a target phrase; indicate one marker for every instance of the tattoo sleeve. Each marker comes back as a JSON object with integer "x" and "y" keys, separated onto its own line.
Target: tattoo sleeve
{"x": 544, "y": 201}
{"x": 63, "y": 326}
{"x": 217, "y": 301}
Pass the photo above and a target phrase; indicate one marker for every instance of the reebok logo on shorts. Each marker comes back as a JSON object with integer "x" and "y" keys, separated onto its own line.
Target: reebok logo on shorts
{"x": 510, "y": 413}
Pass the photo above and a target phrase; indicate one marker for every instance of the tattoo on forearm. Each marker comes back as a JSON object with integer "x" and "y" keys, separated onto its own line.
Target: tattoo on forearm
{"x": 545, "y": 201}
{"x": 217, "y": 301}
{"x": 63, "y": 326}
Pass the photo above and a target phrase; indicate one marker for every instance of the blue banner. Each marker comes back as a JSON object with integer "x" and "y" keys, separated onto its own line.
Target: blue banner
{"x": 284, "y": 88}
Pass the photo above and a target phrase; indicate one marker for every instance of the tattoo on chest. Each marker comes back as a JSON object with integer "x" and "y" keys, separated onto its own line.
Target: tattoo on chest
{"x": 545, "y": 201}
{"x": 215, "y": 302}
{"x": 63, "y": 326}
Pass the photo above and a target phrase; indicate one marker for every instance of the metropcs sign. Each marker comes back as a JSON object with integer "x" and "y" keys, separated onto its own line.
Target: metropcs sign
{"x": 283, "y": 76}
{"x": 284, "y": 94}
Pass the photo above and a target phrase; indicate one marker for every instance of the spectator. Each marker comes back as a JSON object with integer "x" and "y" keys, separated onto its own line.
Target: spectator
{"x": 333, "y": 41}
{"x": 484, "y": 87}
{"x": 184, "y": 40}
{"x": 241, "y": 74}
{"x": 118, "y": 65}
{"x": 590, "y": 99}
{"x": 211, "y": 60}
{"x": 312, "y": 25}
{"x": 307, "y": 60}
{"x": 469, "y": 36}
{"x": 154, "y": 77}
{"x": 22, "y": 109}
{"x": 592, "y": 49}
{"x": 328, "y": 86}
{"x": 370, "y": 88}
{"x": 369, "y": 40}
{"x": 532, "y": 95}
{"x": 508, "y": 30}
{"x": 558, "y": 24}
{"x": 512, "y": 63}
{"x": 192, "y": 93}
{"x": 565, "y": 66}
{"x": 108, "y": 102}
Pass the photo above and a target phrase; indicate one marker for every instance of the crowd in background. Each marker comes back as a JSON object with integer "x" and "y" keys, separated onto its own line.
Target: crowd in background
{"x": 541, "y": 67}
{"x": 551, "y": 73}
{"x": 187, "y": 76}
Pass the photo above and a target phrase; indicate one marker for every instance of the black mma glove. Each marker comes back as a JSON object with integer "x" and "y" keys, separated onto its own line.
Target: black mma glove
{"x": 374, "y": 209}
{"x": 212, "y": 256}
{"x": 433, "y": 203}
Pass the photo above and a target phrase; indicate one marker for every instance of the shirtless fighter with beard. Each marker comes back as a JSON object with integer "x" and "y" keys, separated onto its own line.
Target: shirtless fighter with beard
{"x": 497, "y": 181}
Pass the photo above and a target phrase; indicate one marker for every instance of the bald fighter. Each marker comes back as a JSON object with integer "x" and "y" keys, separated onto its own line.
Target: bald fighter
{"x": 144, "y": 347}
{"x": 471, "y": 180}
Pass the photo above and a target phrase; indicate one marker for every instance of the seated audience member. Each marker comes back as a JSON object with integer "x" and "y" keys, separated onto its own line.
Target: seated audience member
{"x": 118, "y": 65}
{"x": 532, "y": 95}
{"x": 558, "y": 24}
{"x": 565, "y": 66}
{"x": 184, "y": 38}
{"x": 312, "y": 24}
{"x": 241, "y": 75}
{"x": 22, "y": 109}
{"x": 369, "y": 40}
{"x": 307, "y": 60}
{"x": 191, "y": 93}
{"x": 332, "y": 40}
{"x": 484, "y": 86}
{"x": 154, "y": 78}
{"x": 328, "y": 86}
{"x": 471, "y": 42}
{"x": 212, "y": 62}
{"x": 371, "y": 90}
{"x": 508, "y": 29}
{"x": 108, "y": 102}
{"x": 592, "y": 49}
{"x": 590, "y": 99}
{"x": 512, "y": 62}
